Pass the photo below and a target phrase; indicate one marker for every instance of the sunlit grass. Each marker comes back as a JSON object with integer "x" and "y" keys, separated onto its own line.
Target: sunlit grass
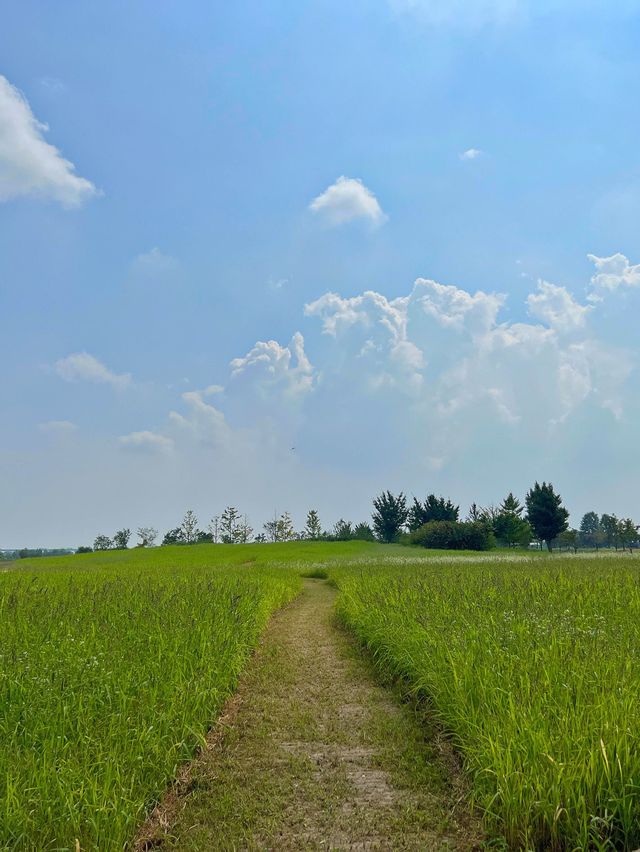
{"x": 534, "y": 670}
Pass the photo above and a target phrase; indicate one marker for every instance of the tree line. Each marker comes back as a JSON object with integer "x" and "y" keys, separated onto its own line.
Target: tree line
{"x": 433, "y": 522}
{"x": 541, "y": 519}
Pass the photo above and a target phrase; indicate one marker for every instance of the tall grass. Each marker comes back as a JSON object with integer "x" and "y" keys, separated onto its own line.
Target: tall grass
{"x": 111, "y": 671}
{"x": 534, "y": 670}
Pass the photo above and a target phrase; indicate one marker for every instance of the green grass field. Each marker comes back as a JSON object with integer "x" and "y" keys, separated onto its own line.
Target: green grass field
{"x": 533, "y": 668}
{"x": 113, "y": 667}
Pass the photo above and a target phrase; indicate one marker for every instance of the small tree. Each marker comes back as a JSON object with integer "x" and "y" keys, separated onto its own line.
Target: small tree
{"x": 245, "y": 530}
{"x": 609, "y": 525}
{"x": 121, "y": 539}
{"x": 147, "y": 536}
{"x": 433, "y": 509}
{"x": 313, "y": 529}
{"x": 342, "y": 530}
{"x": 84, "y": 550}
{"x": 627, "y": 533}
{"x": 389, "y": 516}
{"x": 363, "y": 532}
{"x": 189, "y": 527}
{"x": 285, "y": 531}
{"x": 230, "y": 526}
{"x": 175, "y": 536}
{"x": 508, "y": 524}
{"x": 102, "y": 542}
{"x": 545, "y": 513}
{"x": 214, "y": 529}
{"x": 591, "y": 530}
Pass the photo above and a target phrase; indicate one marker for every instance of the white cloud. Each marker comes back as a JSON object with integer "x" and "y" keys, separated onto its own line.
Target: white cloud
{"x": 58, "y": 427}
{"x": 556, "y": 307}
{"x": 270, "y": 365}
{"x": 82, "y": 367}
{"x": 471, "y": 154}
{"x": 30, "y": 166}
{"x": 612, "y": 273}
{"x": 346, "y": 200}
{"x": 146, "y": 442}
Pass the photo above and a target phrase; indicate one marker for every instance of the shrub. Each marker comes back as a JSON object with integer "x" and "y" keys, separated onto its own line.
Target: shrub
{"x": 454, "y": 535}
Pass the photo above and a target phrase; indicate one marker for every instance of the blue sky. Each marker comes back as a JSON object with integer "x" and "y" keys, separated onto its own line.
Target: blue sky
{"x": 182, "y": 187}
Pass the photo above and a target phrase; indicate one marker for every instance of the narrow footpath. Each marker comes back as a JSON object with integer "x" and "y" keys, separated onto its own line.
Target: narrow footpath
{"x": 315, "y": 754}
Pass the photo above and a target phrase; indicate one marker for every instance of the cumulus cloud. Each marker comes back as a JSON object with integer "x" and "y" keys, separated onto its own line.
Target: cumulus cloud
{"x": 83, "y": 367}
{"x": 30, "y": 166}
{"x": 271, "y": 366}
{"x": 471, "y": 154}
{"x": 556, "y": 307}
{"x": 346, "y": 200}
{"x": 612, "y": 273}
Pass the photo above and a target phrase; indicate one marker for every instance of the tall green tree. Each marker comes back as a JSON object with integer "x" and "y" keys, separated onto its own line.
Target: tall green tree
{"x": 591, "y": 534}
{"x": 230, "y": 525}
{"x": 609, "y": 524}
{"x": 433, "y": 509}
{"x": 508, "y": 524}
{"x": 313, "y": 528}
{"x": 545, "y": 512}
{"x": 189, "y": 527}
{"x": 389, "y": 516}
{"x": 343, "y": 531}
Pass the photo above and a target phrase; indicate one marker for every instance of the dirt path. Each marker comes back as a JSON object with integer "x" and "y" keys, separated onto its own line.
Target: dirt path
{"x": 316, "y": 755}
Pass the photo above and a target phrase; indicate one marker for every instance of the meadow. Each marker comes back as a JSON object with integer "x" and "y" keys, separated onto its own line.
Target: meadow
{"x": 113, "y": 667}
{"x": 532, "y": 667}
{"x": 99, "y": 656}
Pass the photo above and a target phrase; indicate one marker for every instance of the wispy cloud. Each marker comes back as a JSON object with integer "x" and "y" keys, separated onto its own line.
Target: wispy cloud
{"x": 58, "y": 427}
{"x": 471, "y": 154}
{"x": 346, "y": 200}
{"x": 146, "y": 442}
{"x": 30, "y": 166}
{"x": 83, "y": 367}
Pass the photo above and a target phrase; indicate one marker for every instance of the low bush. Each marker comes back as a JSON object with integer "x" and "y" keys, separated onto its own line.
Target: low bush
{"x": 454, "y": 535}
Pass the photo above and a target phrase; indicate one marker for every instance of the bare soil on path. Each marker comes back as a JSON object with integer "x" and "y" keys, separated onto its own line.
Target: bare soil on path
{"x": 314, "y": 753}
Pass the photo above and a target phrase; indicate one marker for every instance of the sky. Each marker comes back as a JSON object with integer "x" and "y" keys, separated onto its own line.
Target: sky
{"x": 284, "y": 256}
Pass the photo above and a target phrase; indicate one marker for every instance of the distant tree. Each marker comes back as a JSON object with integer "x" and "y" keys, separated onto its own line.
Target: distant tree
{"x": 285, "y": 527}
{"x": 214, "y": 529}
{"x": 591, "y": 534}
{"x": 189, "y": 527}
{"x": 568, "y": 539}
{"x": 627, "y": 533}
{"x": 363, "y": 532}
{"x": 84, "y": 550}
{"x": 508, "y": 524}
{"x": 280, "y": 528}
{"x": 545, "y": 513}
{"x": 147, "y": 536}
{"x": 203, "y": 537}
{"x": 389, "y": 516}
{"x": 609, "y": 526}
{"x": 175, "y": 536}
{"x": 245, "y": 530}
{"x": 342, "y": 530}
{"x": 433, "y": 509}
{"x": 230, "y": 526}
{"x": 102, "y": 542}
{"x": 475, "y": 513}
{"x": 260, "y": 538}
{"x": 121, "y": 539}
{"x": 313, "y": 529}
